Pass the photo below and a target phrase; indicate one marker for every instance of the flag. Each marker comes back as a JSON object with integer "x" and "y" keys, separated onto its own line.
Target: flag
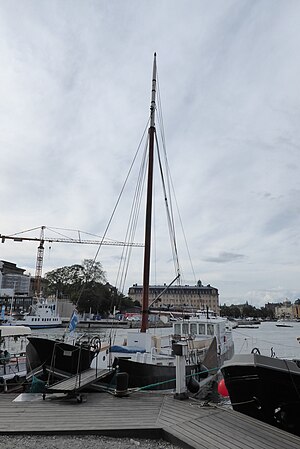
{"x": 3, "y": 313}
{"x": 73, "y": 321}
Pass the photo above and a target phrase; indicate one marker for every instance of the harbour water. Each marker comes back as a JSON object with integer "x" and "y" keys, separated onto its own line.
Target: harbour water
{"x": 269, "y": 339}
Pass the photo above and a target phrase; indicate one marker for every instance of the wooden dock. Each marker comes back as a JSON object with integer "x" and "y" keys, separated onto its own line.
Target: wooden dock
{"x": 186, "y": 423}
{"x": 78, "y": 381}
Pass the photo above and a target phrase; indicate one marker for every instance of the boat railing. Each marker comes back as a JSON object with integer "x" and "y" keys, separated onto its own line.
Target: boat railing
{"x": 13, "y": 365}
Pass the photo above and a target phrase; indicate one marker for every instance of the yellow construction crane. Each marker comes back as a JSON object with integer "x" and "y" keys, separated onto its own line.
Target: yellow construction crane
{"x": 42, "y": 239}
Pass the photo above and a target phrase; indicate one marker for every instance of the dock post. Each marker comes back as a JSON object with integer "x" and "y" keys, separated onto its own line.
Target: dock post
{"x": 121, "y": 385}
{"x": 181, "y": 351}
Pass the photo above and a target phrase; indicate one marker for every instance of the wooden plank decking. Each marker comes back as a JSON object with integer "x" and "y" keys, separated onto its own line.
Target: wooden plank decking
{"x": 78, "y": 382}
{"x": 186, "y": 423}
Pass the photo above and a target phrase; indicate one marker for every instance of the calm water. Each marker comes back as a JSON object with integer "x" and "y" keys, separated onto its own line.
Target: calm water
{"x": 283, "y": 340}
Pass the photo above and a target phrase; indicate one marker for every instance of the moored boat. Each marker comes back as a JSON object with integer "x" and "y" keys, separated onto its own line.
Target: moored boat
{"x": 13, "y": 341}
{"x": 42, "y": 315}
{"x": 265, "y": 388}
{"x": 66, "y": 356}
{"x": 150, "y": 361}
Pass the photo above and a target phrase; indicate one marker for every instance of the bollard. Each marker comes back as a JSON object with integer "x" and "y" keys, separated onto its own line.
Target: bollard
{"x": 121, "y": 385}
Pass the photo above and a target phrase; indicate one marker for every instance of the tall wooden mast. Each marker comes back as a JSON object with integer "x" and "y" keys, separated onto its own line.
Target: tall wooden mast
{"x": 146, "y": 274}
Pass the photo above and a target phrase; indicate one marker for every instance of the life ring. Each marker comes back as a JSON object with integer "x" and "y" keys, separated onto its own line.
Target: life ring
{"x": 96, "y": 344}
{"x": 255, "y": 351}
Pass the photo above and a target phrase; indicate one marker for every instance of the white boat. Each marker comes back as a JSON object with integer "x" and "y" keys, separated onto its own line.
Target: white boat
{"x": 204, "y": 326}
{"x": 42, "y": 315}
{"x": 13, "y": 341}
{"x": 150, "y": 360}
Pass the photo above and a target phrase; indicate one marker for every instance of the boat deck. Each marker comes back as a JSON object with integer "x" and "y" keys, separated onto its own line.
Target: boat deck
{"x": 186, "y": 423}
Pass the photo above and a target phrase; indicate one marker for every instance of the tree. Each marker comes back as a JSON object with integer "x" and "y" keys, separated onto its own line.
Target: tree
{"x": 249, "y": 311}
{"x": 230, "y": 311}
{"x": 95, "y": 299}
{"x": 267, "y": 312}
{"x": 86, "y": 286}
{"x": 69, "y": 280}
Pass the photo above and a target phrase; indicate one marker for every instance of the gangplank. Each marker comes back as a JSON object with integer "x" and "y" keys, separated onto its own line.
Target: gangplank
{"x": 73, "y": 386}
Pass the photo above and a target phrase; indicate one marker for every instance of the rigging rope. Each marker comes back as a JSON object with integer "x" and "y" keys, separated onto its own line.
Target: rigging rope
{"x": 169, "y": 178}
{"x": 132, "y": 225}
{"x": 115, "y": 207}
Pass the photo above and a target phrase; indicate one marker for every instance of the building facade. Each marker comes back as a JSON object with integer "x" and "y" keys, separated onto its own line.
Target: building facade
{"x": 14, "y": 284}
{"x": 287, "y": 310}
{"x": 13, "y": 279}
{"x": 181, "y": 297}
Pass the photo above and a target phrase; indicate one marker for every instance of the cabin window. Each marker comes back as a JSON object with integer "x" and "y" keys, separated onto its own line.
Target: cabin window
{"x": 185, "y": 328}
{"x": 210, "y": 329}
{"x": 177, "y": 329}
{"x": 193, "y": 329}
{"x": 202, "y": 329}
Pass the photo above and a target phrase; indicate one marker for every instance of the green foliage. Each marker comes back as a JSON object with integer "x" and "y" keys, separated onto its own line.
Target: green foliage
{"x": 95, "y": 299}
{"x": 68, "y": 281}
{"x": 230, "y": 312}
{"x": 246, "y": 310}
{"x": 86, "y": 286}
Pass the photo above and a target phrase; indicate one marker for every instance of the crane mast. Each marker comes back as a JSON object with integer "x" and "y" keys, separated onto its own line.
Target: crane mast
{"x": 39, "y": 264}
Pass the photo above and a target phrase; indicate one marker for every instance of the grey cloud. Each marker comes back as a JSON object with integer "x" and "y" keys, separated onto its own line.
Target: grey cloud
{"x": 75, "y": 90}
{"x": 225, "y": 257}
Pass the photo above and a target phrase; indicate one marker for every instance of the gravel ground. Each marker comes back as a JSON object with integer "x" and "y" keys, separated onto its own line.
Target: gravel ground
{"x": 79, "y": 442}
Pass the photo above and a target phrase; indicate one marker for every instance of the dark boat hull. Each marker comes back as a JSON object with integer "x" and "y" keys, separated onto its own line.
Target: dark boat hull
{"x": 265, "y": 388}
{"x": 155, "y": 377}
{"x": 59, "y": 356}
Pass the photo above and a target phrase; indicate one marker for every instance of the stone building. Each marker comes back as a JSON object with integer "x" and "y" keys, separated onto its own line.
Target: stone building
{"x": 181, "y": 297}
{"x": 287, "y": 310}
{"x": 296, "y": 310}
{"x": 284, "y": 310}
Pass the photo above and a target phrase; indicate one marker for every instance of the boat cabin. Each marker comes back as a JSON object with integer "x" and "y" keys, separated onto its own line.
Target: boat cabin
{"x": 200, "y": 328}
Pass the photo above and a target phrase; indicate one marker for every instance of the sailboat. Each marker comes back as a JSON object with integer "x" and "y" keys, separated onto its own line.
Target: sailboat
{"x": 150, "y": 360}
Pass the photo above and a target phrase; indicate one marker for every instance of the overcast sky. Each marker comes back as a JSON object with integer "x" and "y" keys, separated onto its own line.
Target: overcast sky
{"x": 75, "y": 84}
